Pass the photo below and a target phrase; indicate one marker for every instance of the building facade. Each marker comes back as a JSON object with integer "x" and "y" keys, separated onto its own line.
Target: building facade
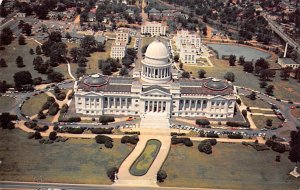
{"x": 288, "y": 62}
{"x": 188, "y": 54}
{"x": 122, "y": 36}
{"x": 118, "y": 50}
{"x": 154, "y": 29}
{"x": 155, "y": 92}
{"x": 186, "y": 37}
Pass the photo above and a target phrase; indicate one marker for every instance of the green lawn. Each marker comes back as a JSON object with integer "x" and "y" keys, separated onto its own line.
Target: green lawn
{"x": 145, "y": 160}
{"x": 75, "y": 161}
{"x": 231, "y": 166}
{"x": 288, "y": 90}
{"x": 34, "y": 104}
{"x": 10, "y": 54}
{"x": 254, "y": 103}
{"x": 147, "y": 40}
{"x": 6, "y": 103}
{"x": 260, "y": 121}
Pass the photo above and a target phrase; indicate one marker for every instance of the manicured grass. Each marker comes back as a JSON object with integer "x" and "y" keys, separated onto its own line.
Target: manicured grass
{"x": 288, "y": 90}
{"x": 10, "y": 54}
{"x": 231, "y": 166}
{"x": 131, "y": 44}
{"x": 75, "y": 161}
{"x": 147, "y": 40}
{"x": 260, "y": 121}
{"x": 262, "y": 111}
{"x": 145, "y": 160}
{"x": 6, "y": 103}
{"x": 254, "y": 103}
{"x": 92, "y": 64}
{"x": 296, "y": 112}
{"x": 34, "y": 104}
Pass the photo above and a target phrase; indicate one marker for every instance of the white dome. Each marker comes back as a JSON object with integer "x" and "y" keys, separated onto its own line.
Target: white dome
{"x": 157, "y": 50}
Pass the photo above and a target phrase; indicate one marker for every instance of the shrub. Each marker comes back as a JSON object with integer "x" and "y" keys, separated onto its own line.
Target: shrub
{"x": 111, "y": 173}
{"x": 278, "y": 147}
{"x": 177, "y": 134}
{"x": 201, "y": 134}
{"x": 102, "y": 130}
{"x": 269, "y": 122}
{"x": 237, "y": 124}
{"x": 53, "y": 135}
{"x": 132, "y": 132}
{"x": 41, "y": 129}
{"x": 41, "y": 115}
{"x": 202, "y": 122}
{"x": 238, "y": 101}
{"x": 205, "y": 146}
{"x": 31, "y": 135}
{"x": 30, "y": 124}
{"x": 46, "y": 105}
{"x": 64, "y": 108}
{"x": 185, "y": 141}
{"x": 130, "y": 139}
{"x": 161, "y": 176}
{"x": 108, "y": 144}
{"x": 106, "y": 119}
{"x": 235, "y": 136}
{"x": 75, "y": 130}
{"x": 213, "y": 142}
{"x": 101, "y": 139}
{"x": 212, "y": 135}
{"x": 53, "y": 109}
{"x": 60, "y": 96}
{"x": 50, "y": 99}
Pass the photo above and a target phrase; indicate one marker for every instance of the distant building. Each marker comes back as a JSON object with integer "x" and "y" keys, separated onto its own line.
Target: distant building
{"x": 154, "y": 14}
{"x": 118, "y": 50}
{"x": 122, "y": 35}
{"x": 186, "y": 37}
{"x": 188, "y": 53}
{"x": 288, "y": 62}
{"x": 21, "y": 15}
{"x": 154, "y": 29}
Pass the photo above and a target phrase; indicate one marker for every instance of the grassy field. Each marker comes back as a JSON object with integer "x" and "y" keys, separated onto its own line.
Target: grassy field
{"x": 232, "y": 166}
{"x": 34, "y": 104}
{"x": 260, "y": 121}
{"x": 6, "y": 103}
{"x": 254, "y": 103}
{"x": 288, "y": 90}
{"x": 296, "y": 112}
{"x": 145, "y": 160}
{"x": 75, "y": 161}
{"x": 10, "y": 54}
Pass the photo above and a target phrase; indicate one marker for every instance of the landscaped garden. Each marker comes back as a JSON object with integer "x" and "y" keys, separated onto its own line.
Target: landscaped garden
{"x": 6, "y": 103}
{"x": 142, "y": 164}
{"x": 232, "y": 166}
{"x": 73, "y": 161}
{"x": 254, "y": 103}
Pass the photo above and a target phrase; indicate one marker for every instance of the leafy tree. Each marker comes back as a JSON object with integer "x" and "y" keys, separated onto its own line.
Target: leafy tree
{"x": 19, "y": 61}
{"x": 262, "y": 63}
{"x": 41, "y": 11}
{"x": 53, "y": 135}
{"x": 252, "y": 96}
{"x": 3, "y": 63}
{"x": 124, "y": 71}
{"x": 31, "y": 51}
{"x": 285, "y": 73}
{"x": 176, "y": 58}
{"x": 21, "y": 40}
{"x": 37, "y": 62}
{"x": 80, "y": 71}
{"x": 269, "y": 122}
{"x": 185, "y": 74}
{"x": 205, "y": 146}
{"x": 294, "y": 154}
{"x": 248, "y": 67}
{"x": 202, "y": 122}
{"x": 266, "y": 74}
{"x": 3, "y": 86}
{"x": 89, "y": 44}
{"x": 229, "y": 76}
{"x": 6, "y": 36}
{"x": 180, "y": 66}
{"x": 68, "y": 36}
{"x": 55, "y": 76}
{"x": 232, "y": 59}
{"x": 6, "y": 121}
{"x": 161, "y": 176}
{"x": 38, "y": 50}
{"x": 106, "y": 69}
{"x": 22, "y": 78}
{"x": 263, "y": 84}
{"x": 41, "y": 115}
{"x": 127, "y": 61}
{"x": 270, "y": 90}
{"x": 55, "y": 36}
{"x": 201, "y": 73}
{"x": 27, "y": 29}
{"x": 242, "y": 60}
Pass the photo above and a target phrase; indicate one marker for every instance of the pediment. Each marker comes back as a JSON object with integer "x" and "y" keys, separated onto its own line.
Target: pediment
{"x": 155, "y": 92}
{"x": 218, "y": 98}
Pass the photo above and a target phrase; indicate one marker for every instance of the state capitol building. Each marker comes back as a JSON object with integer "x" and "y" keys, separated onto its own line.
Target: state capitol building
{"x": 155, "y": 91}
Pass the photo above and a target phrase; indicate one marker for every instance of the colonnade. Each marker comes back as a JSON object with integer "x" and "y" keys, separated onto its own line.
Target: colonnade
{"x": 118, "y": 102}
{"x": 156, "y": 72}
{"x": 155, "y": 106}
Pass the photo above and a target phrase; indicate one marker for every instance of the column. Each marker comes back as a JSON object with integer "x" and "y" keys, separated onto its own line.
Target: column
{"x": 108, "y": 102}
{"x": 120, "y": 102}
{"x": 190, "y": 105}
{"x": 201, "y": 104}
{"x": 184, "y": 104}
{"x": 152, "y": 106}
{"x": 114, "y": 102}
{"x": 148, "y": 108}
{"x": 166, "y": 72}
{"x": 95, "y": 103}
{"x": 126, "y": 102}
{"x": 196, "y": 104}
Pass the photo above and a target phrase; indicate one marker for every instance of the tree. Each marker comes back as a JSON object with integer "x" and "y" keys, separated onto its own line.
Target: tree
{"x": 21, "y": 40}
{"x": 176, "y": 58}
{"x": 127, "y": 61}
{"x": 201, "y": 73}
{"x": 232, "y": 59}
{"x": 123, "y": 71}
{"x": 22, "y": 78}
{"x": 52, "y": 135}
{"x": 185, "y": 74}
{"x": 74, "y": 53}
{"x": 270, "y": 89}
{"x": 38, "y": 50}
{"x": 3, "y": 86}
{"x": 6, "y": 36}
{"x": 89, "y": 44}
{"x": 27, "y": 29}
{"x": 41, "y": 11}
{"x": 269, "y": 122}
{"x": 248, "y": 67}
{"x": 205, "y": 146}
{"x": 55, "y": 36}
{"x": 161, "y": 176}
{"x": 6, "y": 121}
{"x": 19, "y": 61}
{"x": 3, "y": 63}
{"x": 55, "y": 76}
{"x": 294, "y": 154}
{"x": 285, "y": 73}
{"x": 202, "y": 122}
{"x": 180, "y": 65}
{"x": 263, "y": 84}
{"x": 297, "y": 74}
{"x": 31, "y": 51}
{"x": 80, "y": 71}
{"x": 262, "y": 63}
{"x": 229, "y": 76}
{"x": 241, "y": 60}
{"x": 252, "y": 96}
{"x": 37, "y": 62}
{"x": 41, "y": 115}
{"x": 266, "y": 74}
{"x": 106, "y": 69}
{"x": 144, "y": 48}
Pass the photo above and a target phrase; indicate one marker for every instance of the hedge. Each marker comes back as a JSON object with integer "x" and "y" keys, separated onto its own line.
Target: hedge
{"x": 102, "y": 139}
{"x": 69, "y": 119}
{"x": 212, "y": 135}
{"x": 177, "y": 134}
{"x": 205, "y": 146}
{"x": 60, "y": 96}
{"x": 132, "y": 133}
{"x": 202, "y": 122}
{"x": 237, "y": 124}
{"x": 235, "y": 136}
{"x": 53, "y": 109}
{"x": 64, "y": 108}
{"x": 185, "y": 141}
{"x": 101, "y": 130}
{"x": 75, "y": 130}
{"x": 106, "y": 119}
